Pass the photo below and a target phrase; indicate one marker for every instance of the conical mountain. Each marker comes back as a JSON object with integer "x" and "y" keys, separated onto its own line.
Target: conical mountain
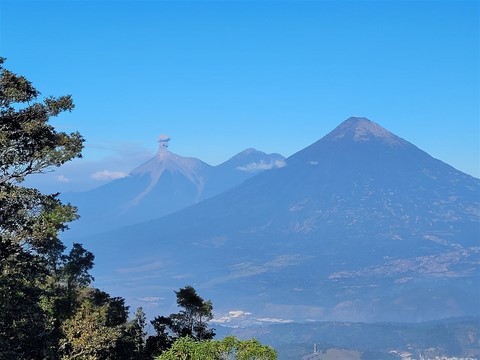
{"x": 361, "y": 225}
{"x": 164, "y": 184}
{"x": 254, "y": 161}
{"x": 241, "y": 167}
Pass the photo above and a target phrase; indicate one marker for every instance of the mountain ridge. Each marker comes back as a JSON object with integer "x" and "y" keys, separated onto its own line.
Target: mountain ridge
{"x": 164, "y": 184}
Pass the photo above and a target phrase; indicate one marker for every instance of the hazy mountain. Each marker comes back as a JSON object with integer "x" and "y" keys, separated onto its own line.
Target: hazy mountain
{"x": 166, "y": 183}
{"x": 360, "y": 226}
{"x": 241, "y": 167}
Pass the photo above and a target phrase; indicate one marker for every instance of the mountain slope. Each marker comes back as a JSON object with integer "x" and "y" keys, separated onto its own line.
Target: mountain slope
{"x": 359, "y": 226}
{"x": 166, "y": 183}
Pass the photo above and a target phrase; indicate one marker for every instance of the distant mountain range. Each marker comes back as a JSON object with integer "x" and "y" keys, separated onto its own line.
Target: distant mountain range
{"x": 441, "y": 339}
{"x": 166, "y": 183}
{"x": 360, "y": 226}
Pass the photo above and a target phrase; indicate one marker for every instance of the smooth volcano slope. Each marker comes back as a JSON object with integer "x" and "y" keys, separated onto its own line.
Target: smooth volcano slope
{"x": 359, "y": 226}
{"x": 166, "y": 183}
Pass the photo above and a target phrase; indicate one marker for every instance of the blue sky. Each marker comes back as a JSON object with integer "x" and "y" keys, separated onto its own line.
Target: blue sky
{"x": 222, "y": 76}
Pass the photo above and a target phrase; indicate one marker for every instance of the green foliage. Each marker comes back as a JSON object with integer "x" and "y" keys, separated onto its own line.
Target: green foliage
{"x": 29, "y": 220}
{"x": 133, "y": 341}
{"x": 22, "y": 322}
{"x": 28, "y": 143}
{"x": 191, "y": 320}
{"x": 185, "y": 335}
{"x": 87, "y": 336}
{"x": 229, "y": 348}
{"x": 59, "y": 299}
{"x": 162, "y": 340}
{"x": 101, "y": 321}
{"x": 252, "y": 349}
{"x": 76, "y": 265}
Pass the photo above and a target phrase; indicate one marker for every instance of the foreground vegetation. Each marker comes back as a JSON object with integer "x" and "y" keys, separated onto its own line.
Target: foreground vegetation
{"x": 48, "y": 310}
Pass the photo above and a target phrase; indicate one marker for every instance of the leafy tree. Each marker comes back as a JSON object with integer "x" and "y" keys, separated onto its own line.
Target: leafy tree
{"x": 29, "y": 220}
{"x": 138, "y": 328}
{"x": 87, "y": 335}
{"x": 117, "y": 311}
{"x": 60, "y": 294}
{"x": 131, "y": 345}
{"x": 162, "y": 340}
{"x": 22, "y": 322}
{"x": 68, "y": 274}
{"x": 191, "y": 320}
{"x": 101, "y": 322}
{"x": 74, "y": 272}
{"x": 252, "y": 349}
{"x": 229, "y": 348}
{"x": 29, "y": 145}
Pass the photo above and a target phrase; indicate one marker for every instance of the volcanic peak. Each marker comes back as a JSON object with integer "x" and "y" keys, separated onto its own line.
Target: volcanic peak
{"x": 163, "y": 143}
{"x": 360, "y": 129}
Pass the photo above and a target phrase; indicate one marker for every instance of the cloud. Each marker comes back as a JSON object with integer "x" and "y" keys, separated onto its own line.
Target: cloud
{"x": 63, "y": 179}
{"x": 156, "y": 265}
{"x": 182, "y": 276}
{"x": 237, "y": 313}
{"x": 262, "y": 165}
{"x": 240, "y": 317}
{"x": 108, "y": 175}
{"x": 274, "y": 320}
{"x": 92, "y": 170}
{"x": 231, "y": 316}
{"x": 151, "y": 299}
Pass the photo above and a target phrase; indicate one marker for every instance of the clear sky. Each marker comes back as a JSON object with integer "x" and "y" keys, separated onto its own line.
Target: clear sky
{"x": 222, "y": 76}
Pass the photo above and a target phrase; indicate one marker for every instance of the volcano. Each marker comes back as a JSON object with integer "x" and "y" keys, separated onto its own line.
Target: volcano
{"x": 360, "y": 226}
{"x": 164, "y": 184}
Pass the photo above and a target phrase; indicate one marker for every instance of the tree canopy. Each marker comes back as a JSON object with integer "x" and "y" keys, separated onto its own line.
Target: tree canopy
{"x": 30, "y": 221}
{"x": 230, "y": 348}
{"x": 191, "y": 321}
